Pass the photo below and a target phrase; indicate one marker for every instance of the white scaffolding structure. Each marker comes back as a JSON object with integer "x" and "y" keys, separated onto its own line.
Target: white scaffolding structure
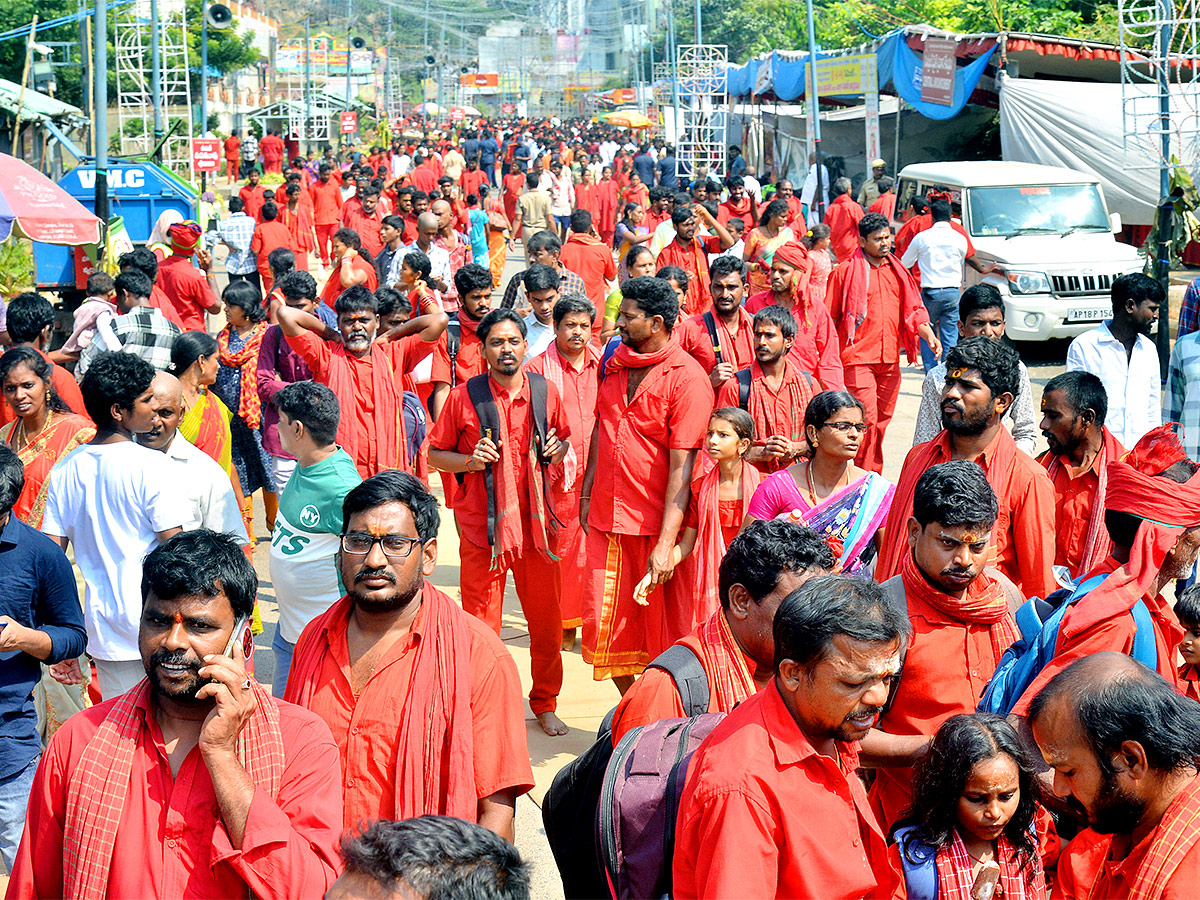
{"x": 1160, "y": 82}
{"x": 701, "y": 120}
{"x": 135, "y": 111}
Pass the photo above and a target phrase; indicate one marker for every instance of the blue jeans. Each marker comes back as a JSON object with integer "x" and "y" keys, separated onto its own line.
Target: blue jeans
{"x": 283, "y": 650}
{"x": 14, "y": 801}
{"x": 942, "y": 304}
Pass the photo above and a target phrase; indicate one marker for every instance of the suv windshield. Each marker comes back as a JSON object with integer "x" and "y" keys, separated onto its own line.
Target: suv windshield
{"x": 1036, "y": 208}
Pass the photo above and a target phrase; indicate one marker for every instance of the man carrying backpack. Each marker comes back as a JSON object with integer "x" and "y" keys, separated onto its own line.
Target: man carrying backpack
{"x": 1152, "y": 512}
{"x": 497, "y": 434}
{"x": 960, "y": 620}
{"x": 772, "y": 806}
{"x": 763, "y": 564}
{"x": 459, "y": 355}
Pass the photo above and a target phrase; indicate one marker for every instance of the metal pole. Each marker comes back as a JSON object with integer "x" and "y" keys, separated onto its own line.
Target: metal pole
{"x": 699, "y": 40}
{"x": 100, "y": 115}
{"x": 815, "y": 124}
{"x": 347, "y": 137}
{"x": 1166, "y": 213}
{"x": 156, "y": 79}
{"x": 203, "y": 77}
{"x": 673, "y": 70}
{"x": 308, "y": 126}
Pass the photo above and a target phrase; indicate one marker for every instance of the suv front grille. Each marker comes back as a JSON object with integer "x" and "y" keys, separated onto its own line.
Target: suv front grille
{"x": 1066, "y": 285}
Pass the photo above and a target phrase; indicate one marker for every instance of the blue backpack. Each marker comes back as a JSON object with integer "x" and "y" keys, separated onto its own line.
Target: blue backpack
{"x": 1039, "y": 621}
{"x": 918, "y": 863}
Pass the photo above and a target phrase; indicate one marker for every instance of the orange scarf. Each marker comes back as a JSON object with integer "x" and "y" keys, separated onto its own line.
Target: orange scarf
{"x": 435, "y": 773}
{"x": 625, "y": 357}
{"x": 710, "y": 541}
{"x": 985, "y": 604}
{"x": 100, "y": 783}
{"x": 246, "y": 359}
{"x": 854, "y": 304}
{"x": 1177, "y": 833}
{"x": 729, "y": 676}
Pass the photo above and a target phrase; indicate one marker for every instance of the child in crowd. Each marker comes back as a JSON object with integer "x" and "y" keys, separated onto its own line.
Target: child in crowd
{"x": 971, "y": 825}
{"x": 1187, "y": 611}
{"x": 817, "y": 244}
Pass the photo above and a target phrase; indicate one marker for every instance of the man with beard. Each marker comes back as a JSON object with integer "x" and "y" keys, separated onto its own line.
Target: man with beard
{"x": 424, "y": 700}
{"x": 764, "y": 564}
{"x": 572, "y": 363}
{"x": 1123, "y": 748}
{"x": 1074, "y": 407}
{"x": 981, "y": 382}
{"x": 196, "y": 780}
{"x": 474, "y": 285}
{"x": 1152, "y": 512}
{"x": 365, "y": 374}
{"x": 772, "y": 805}
{"x": 732, "y": 326}
{"x": 778, "y": 395}
{"x": 1121, "y": 354}
{"x": 503, "y": 512}
{"x": 648, "y": 426}
{"x": 690, "y": 252}
{"x": 740, "y": 205}
{"x": 960, "y": 621}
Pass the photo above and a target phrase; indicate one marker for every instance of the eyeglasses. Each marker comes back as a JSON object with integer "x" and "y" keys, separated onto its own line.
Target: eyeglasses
{"x": 846, "y": 427}
{"x": 395, "y": 546}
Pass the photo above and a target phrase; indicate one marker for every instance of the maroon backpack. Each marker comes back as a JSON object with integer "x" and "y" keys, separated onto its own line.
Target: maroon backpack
{"x": 639, "y": 803}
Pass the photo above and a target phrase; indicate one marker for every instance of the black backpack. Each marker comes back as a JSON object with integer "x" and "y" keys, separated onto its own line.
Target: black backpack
{"x": 570, "y": 807}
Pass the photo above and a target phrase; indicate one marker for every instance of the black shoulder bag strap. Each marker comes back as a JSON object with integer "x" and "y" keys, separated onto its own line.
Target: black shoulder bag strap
{"x": 710, "y": 324}
{"x": 743, "y": 380}
{"x": 480, "y": 394}
{"x": 453, "y": 339}
{"x": 686, "y": 670}
{"x": 537, "y": 400}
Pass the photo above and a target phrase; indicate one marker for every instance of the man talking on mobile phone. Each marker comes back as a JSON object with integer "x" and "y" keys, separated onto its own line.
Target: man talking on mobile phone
{"x": 196, "y": 782}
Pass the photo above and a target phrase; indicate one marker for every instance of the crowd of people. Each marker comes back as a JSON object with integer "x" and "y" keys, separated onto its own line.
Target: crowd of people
{"x": 668, "y": 430}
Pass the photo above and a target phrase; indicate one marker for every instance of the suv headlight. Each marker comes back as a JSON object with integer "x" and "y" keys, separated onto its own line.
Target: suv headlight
{"x": 1021, "y": 282}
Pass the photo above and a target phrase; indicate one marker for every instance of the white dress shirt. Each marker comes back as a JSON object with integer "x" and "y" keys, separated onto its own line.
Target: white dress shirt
{"x": 1132, "y": 382}
{"x": 537, "y": 336}
{"x": 940, "y": 251}
{"x": 208, "y": 489}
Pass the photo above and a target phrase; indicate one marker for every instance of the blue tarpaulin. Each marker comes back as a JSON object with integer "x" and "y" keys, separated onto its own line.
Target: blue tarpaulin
{"x": 896, "y": 62}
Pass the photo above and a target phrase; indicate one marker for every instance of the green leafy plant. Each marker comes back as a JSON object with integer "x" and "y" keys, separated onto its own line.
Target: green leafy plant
{"x": 16, "y": 266}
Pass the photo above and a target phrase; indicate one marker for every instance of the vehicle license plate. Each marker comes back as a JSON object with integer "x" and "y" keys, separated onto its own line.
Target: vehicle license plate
{"x": 1089, "y": 314}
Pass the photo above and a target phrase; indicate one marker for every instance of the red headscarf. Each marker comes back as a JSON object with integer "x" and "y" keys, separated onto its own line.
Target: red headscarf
{"x": 184, "y": 236}
{"x": 796, "y": 255}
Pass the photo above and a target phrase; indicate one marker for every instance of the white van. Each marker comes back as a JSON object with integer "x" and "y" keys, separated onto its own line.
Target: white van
{"x": 1049, "y": 231}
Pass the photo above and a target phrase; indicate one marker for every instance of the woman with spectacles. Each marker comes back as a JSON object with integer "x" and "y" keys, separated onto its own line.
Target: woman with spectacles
{"x": 825, "y": 490}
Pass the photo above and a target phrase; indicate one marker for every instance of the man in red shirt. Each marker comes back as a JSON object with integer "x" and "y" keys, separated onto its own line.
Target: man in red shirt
{"x": 816, "y": 349}
{"x": 423, "y": 700}
{"x": 271, "y": 147}
{"x": 270, "y": 234}
{"x": 233, "y": 155}
{"x": 572, "y": 364}
{"x": 1074, "y": 405}
{"x": 406, "y": 209}
{"x": 732, "y": 325}
{"x": 960, "y": 621}
{"x": 588, "y": 257}
{"x": 504, "y": 518}
{"x": 843, "y": 217}
{"x": 471, "y": 178}
{"x": 772, "y": 805}
{"x": 763, "y": 564}
{"x": 876, "y": 309}
{"x": 740, "y": 205}
{"x": 189, "y": 290}
{"x": 211, "y": 784}
{"x": 662, "y": 203}
{"x": 513, "y": 187}
{"x": 1123, "y": 746}
{"x": 252, "y": 195}
{"x": 366, "y": 374}
{"x": 690, "y": 252}
{"x": 647, "y": 430}
{"x": 349, "y": 267}
{"x": 885, "y": 203}
{"x": 365, "y": 217}
{"x": 778, "y": 396}
{"x": 981, "y": 380}
{"x": 423, "y": 176}
{"x": 327, "y": 204}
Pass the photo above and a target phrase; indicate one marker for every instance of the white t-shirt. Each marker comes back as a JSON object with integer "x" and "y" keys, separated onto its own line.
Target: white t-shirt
{"x": 305, "y": 541}
{"x": 110, "y": 500}
{"x": 940, "y": 250}
{"x": 213, "y": 503}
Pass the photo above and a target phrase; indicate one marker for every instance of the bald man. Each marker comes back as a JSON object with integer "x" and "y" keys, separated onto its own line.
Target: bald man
{"x": 439, "y": 257}
{"x": 453, "y": 242}
{"x": 211, "y": 500}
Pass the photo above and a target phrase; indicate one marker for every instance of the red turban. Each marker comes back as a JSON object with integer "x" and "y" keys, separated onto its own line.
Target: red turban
{"x": 793, "y": 254}
{"x": 184, "y": 236}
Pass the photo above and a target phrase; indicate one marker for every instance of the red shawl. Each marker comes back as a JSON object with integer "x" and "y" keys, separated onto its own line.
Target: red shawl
{"x": 1021, "y": 878}
{"x": 625, "y": 357}
{"x": 730, "y": 677}
{"x": 434, "y": 748}
{"x": 710, "y": 542}
{"x": 798, "y": 387}
{"x": 1097, "y": 545}
{"x": 99, "y": 786}
{"x": 606, "y": 213}
{"x": 588, "y": 197}
{"x": 390, "y": 444}
{"x": 854, "y": 305}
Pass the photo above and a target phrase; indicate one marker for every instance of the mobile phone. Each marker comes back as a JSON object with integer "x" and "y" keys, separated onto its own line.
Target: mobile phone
{"x": 240, "y": 630}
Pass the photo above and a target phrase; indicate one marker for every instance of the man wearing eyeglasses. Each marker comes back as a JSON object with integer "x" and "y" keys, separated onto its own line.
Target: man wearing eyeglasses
{"x": 505, "y": 520}
{"x": 308, "y": 526}
{"x": 423, "y": 699}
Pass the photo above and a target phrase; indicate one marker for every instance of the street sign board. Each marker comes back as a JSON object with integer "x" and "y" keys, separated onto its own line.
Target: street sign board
{"x": 206, "y": 154}
{"x": 349, "y": 122}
